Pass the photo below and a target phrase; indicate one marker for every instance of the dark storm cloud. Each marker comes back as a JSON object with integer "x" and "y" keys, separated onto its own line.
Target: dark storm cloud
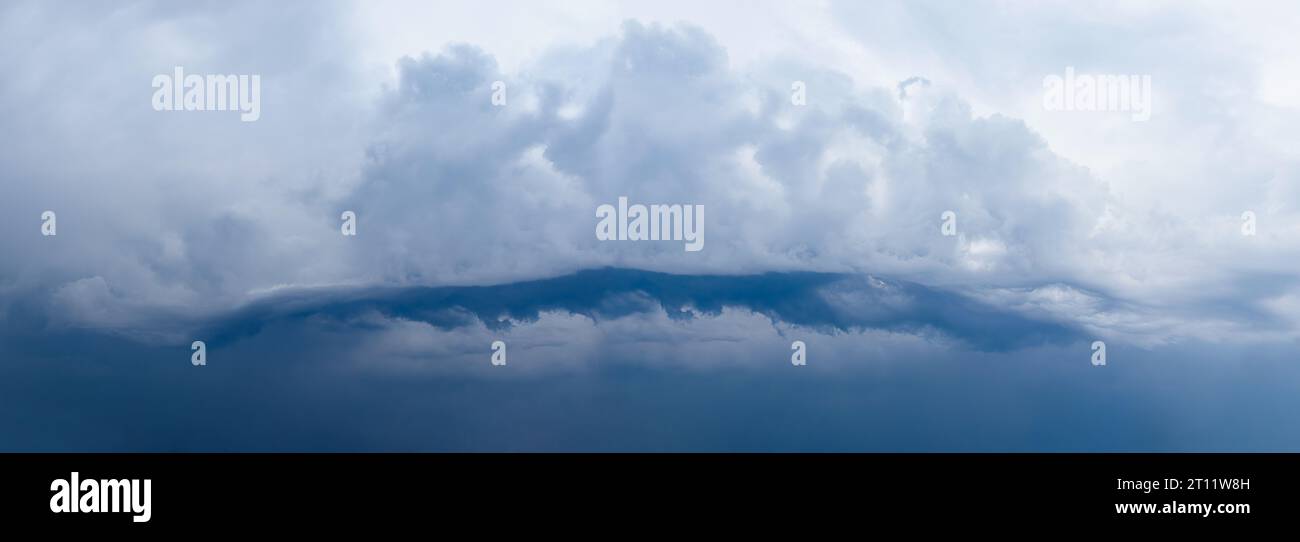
{"x": 822, "y": 301}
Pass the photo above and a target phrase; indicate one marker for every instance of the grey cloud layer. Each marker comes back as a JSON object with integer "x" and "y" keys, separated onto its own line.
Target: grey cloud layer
{"x": 451, "y": 190}
{"x": 843, "y": 183}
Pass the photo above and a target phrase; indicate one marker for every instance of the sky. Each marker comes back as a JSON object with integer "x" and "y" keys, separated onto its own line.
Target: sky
{"x": 827, "y": 143}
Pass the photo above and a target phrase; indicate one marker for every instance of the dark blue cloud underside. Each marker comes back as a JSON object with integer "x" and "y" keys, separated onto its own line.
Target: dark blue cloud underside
{"x": 798, "y": 298}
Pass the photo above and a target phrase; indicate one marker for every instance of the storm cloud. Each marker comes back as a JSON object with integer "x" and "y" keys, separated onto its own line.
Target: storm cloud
{"x": 475, "y": 222}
